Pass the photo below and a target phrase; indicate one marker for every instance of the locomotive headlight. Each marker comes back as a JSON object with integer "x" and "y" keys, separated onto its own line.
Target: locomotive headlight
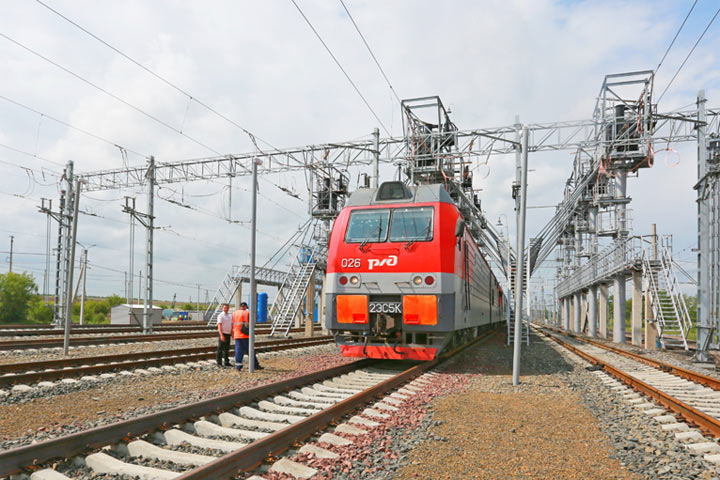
{"x": 417, "y": 280}
{"x": 354, "y": 280}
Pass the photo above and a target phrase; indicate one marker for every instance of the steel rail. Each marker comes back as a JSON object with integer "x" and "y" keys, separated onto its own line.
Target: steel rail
{"x": 30, "y": 326}
{"x": 90, "y": 331}
{"x": 255, "y": 453}
{"x": 150, "y": 360}
{"x": 710, "y": 382}
{"x": 119, "y": 357}
{"x": 84, "y": 341}
{"x": 704, "y": 422}
{"x": 17, "y": 459}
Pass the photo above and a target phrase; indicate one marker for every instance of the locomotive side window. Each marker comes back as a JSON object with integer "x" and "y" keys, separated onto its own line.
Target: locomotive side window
{"x": 411, "y": 224}
{"x": 367, "y": 226}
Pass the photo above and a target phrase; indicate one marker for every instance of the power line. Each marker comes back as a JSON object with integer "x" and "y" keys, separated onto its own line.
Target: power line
{"x": 85, "y": 132}
{"x": 676, "y": 36}
{"x": 190, "y": 97}
{"x": 688, "y": 55}
{"x": 371, "y": 52}
{"x": 108, "y": 93}
{"x": 337, "y": 62}
{"x": 32, "y": 155}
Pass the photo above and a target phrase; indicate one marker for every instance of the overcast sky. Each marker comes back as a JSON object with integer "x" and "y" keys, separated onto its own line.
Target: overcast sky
{"x": 259, "y": 64}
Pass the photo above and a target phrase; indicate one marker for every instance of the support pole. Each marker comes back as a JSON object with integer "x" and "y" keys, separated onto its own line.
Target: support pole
{"x": 566, "y": 313}
{"x": 73, "y": 235}
{"x": 619, "y": 309}
{"x": 253, "y": 286}
{"x": 704, "y": 242}
{"x": 150, "y": 227}
{"x": 603, "y": 310}
{"x": 593, "y": 311}
{"x": 520, "y": 250}
{"x": 310, "y": 305}
{"x": 321, "y": 306}
{"x": 83, "y": 272}
{"x": 636, "y": 318}
{"x": 12, "y": 241}
{"x": 650, "y": 323}
{"x": 376, "y": 158}
{"x": 577, "y": 308}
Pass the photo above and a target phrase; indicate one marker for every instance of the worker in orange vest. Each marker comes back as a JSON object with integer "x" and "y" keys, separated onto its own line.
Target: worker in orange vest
{"x": 241, "y": 335}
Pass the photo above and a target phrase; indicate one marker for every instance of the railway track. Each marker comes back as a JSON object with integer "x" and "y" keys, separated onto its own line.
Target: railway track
{"x": 76, "y": 329}
{"x": 675, "y": 397}
{"x": 78, "y": 340}
{"x": 50, "y": 370}
{"x": 220, "y": 437}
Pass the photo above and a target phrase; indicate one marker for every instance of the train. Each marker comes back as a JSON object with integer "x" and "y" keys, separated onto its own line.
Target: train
{"x": 405, "y": 279}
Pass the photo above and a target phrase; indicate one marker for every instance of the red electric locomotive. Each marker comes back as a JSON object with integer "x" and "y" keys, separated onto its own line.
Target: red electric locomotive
{"x": 405, "y": 280}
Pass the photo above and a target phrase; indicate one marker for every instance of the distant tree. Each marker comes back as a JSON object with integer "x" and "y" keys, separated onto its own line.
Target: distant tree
{"x": 114, "y": 300}
{"x": 39, "y": 312}
{"x": 17, "y": 290}
{"x": 189, "y": 306}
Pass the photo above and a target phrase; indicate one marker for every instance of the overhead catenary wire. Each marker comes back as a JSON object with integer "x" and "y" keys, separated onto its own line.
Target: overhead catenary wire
{"x": 342, "y": 69}
{"x": 688, "y": 55}
{"x": 108, "y": 93}
{"x": 72, "y": 127}
{"x": 191, "y": 98}
{"x": 675, "y": 37}
{"x": 370, "y": 51}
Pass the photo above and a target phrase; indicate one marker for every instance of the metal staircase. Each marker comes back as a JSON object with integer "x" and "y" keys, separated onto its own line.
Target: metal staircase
{"x": 224, "y": 294}
{"x": 668, "y": 304}
{"x": 291, "y": 293}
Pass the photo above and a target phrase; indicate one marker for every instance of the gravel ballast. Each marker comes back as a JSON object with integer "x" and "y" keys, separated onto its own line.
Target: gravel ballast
{"x": 561, "y": 422}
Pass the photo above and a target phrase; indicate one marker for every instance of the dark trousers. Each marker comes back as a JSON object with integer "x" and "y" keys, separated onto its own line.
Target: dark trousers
{"x": 222, "y": 350}
{"x": 242, "y": 347}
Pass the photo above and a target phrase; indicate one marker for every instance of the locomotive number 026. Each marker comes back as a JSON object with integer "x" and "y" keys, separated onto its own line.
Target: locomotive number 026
{"x": 350, "y": 263}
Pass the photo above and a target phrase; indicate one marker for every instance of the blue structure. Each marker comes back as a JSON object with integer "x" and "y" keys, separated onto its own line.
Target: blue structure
{"x": 262, "y": 307}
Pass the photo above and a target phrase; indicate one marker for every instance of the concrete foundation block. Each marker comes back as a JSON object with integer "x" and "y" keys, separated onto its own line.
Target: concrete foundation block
{"x": 349, "y": 429}
{"x": 229, "y": 420}
{"x": 334, "y": 440}
{"x": 103, "y": 463}
{"x": 250, "y": 412}
{"x": 370, "y": 412}
{"x": 704, "y": 447}
{"x": 654, "y": 412}
{"x": 141, "y": 448}
{"x": 691, "y": 436}
{"x": 177, "y": 437}
{"x": 318, "y": 452}
{"x": 284, "y": 409}
{"x": 675, "y": 427}
{"x": 297, "y": 470}
{"x": 22, "y": 388}
{"x": 363, "y": 421}
{"x": 209, "y": 429}
{"x": 48, "y": 474}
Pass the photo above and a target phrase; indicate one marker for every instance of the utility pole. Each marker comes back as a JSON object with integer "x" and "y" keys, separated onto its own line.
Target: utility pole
{"x": 146, "y": 220}
{"x": 253, "y": 285}
{"x": 704, "y": 251}
{"x": 12, "y": 240}
{"x": 71, "y": 265}
{"x": 83, "y": 272}
{"x": 521, "y": 202}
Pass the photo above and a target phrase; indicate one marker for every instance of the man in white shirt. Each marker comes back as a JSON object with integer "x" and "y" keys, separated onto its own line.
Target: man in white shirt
{"x": 224, "y": 323}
